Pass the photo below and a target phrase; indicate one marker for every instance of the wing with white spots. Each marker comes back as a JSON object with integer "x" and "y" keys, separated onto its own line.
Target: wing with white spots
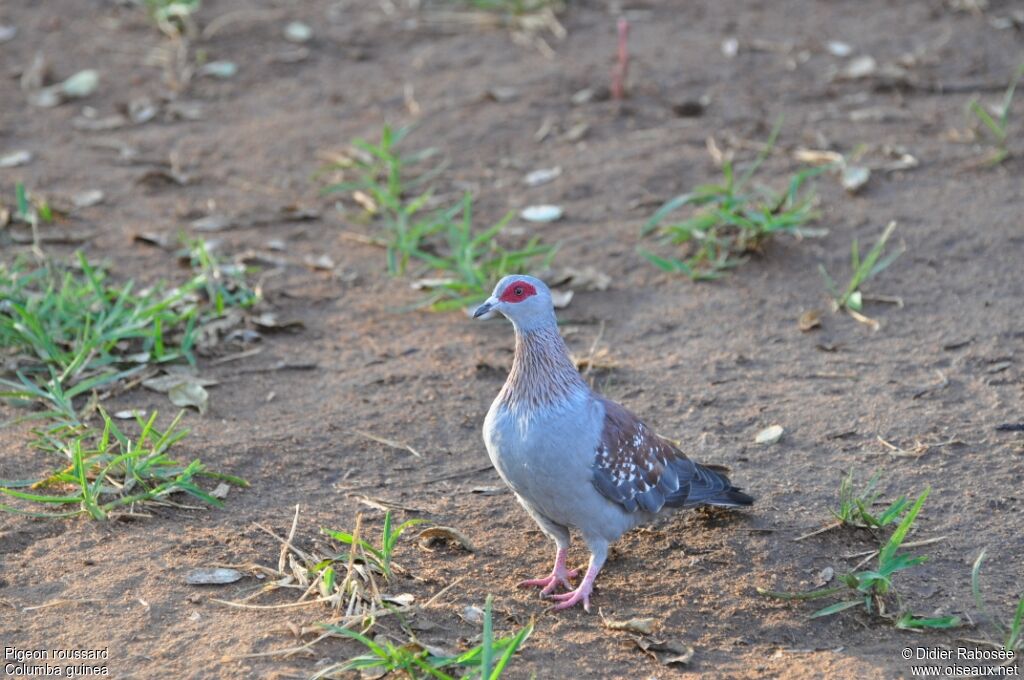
{"x": 637, "y": 469}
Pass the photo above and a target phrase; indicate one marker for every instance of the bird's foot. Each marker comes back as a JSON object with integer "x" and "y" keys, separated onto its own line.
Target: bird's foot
{"x": 574, "y": 597}
{"x": 548, "y": 584}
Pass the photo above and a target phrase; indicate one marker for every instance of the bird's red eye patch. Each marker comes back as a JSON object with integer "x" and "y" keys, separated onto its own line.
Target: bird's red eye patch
{"x": 517, "y": 291}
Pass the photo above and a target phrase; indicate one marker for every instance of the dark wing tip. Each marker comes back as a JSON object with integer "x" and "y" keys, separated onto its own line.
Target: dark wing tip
{"x": 707, "y": 486}
{"x": 733, "y": 498}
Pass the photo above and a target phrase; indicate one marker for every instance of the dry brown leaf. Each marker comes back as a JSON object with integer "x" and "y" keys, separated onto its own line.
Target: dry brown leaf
{"x": 402, "y": 599}
{"x": 16, "y": 158}
{"x": 854, "y": 177}
{"x": 586, "y": 278}
{"x": 643, "y": 626}
{"x": 818, "y": 157}
{"x": 809, "y": 320}
{"x": 211, "y": 332}
{"x": 577, "y": 132}
{"x": 429, "y": 537}
{"x": 365, "y": 201}
{"x": 542, "y": 213}
{"x": 270, "y": 321}
{"x": 160, "y": 177}
{"x": 542, "y": 176}
{"x": 165, "y": 383}
{"x": 665, "y": 652}
{"x": 321, "y": 262}
{"x": 598, "y": 360}
{"x": 502, "y": 94}
{"x": 35, "y": 75}
{"x": 189, "y": 394}
{"x": 214, "y": 576}
{"x": 158, "y": 240}
{"x": 560, "y": 299}
{"x": 487, "y": 490}
{"x": 87, "y": 199}
{"x": 213, "y": 223}
{"x": 473, "y": 614}
{"x": 183, "y": 389}
{"x": 769, "y": 435}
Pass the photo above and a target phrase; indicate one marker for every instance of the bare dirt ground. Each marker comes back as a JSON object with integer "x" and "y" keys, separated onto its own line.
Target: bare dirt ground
{"x": 710, "y": 364}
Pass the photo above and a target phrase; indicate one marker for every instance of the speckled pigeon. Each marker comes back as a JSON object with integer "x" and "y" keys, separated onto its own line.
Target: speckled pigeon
{"x": 573, "y": 458}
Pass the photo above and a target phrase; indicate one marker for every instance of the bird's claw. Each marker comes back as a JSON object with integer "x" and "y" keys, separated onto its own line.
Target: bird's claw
{"x": 574, "y": 597}
{"x": 548, "y": 584}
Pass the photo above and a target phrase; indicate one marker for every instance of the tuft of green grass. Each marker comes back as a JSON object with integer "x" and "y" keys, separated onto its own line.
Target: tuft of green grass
{"x": 107, "y": 470}
{"x": 864, "y": 269}
{"x": 872, "y": 588}
{"x": 728, "y": 220}
{"x": 1012, "y": 633}
{"x": 486, "y": 661}
{"x": 28, "y": 211}
{"x": 380, "y": 556}
{"x": 32, "y": 213}
{"x": 73, "y": 331}
{"x": 346, "y": 580}
{"x": 69, "y": 331}
{"x": 382, "y": 176}
{"x": 224, "y": 284}
{"x": 855, "y": 507}
{"x": 998, "y": 126}
{"x": 464, "y": 261}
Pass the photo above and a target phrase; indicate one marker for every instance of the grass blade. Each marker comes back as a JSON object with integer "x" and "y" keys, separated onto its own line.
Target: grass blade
{"x": 836, "y": 608}
{"x": 487, "y": 640}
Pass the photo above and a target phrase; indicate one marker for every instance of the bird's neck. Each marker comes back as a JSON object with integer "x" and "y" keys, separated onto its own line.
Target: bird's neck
{"x": 542, "y": 372}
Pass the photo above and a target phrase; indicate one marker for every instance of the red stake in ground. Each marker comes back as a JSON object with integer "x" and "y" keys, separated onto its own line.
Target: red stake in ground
{"x": 622, "y": 62}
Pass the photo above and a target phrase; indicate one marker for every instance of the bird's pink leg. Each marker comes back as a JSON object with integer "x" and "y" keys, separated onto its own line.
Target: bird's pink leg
{"x": 559, "y": 575}
{"x": 586, "y": 587}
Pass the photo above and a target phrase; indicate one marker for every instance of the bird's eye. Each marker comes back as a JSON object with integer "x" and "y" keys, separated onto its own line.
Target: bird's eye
{"x": 517, "y": 291}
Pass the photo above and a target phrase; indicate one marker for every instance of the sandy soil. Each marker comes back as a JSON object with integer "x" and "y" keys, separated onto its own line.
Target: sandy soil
{"x": 710, "y": 364}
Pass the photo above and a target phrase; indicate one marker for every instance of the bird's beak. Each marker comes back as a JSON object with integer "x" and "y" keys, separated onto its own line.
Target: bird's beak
{"x": 485, "y": 308}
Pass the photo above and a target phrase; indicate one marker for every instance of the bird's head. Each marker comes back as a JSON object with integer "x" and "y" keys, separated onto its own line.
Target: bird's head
{"x": 524, "y": 300}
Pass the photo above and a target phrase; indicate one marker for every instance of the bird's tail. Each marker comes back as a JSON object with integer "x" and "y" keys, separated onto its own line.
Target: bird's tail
{"x": 731, "y": 498}
{"x": 710, "y": 486}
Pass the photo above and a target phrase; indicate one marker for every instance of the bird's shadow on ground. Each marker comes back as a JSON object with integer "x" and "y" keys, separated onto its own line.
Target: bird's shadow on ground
{"x": 710, "y": 517}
